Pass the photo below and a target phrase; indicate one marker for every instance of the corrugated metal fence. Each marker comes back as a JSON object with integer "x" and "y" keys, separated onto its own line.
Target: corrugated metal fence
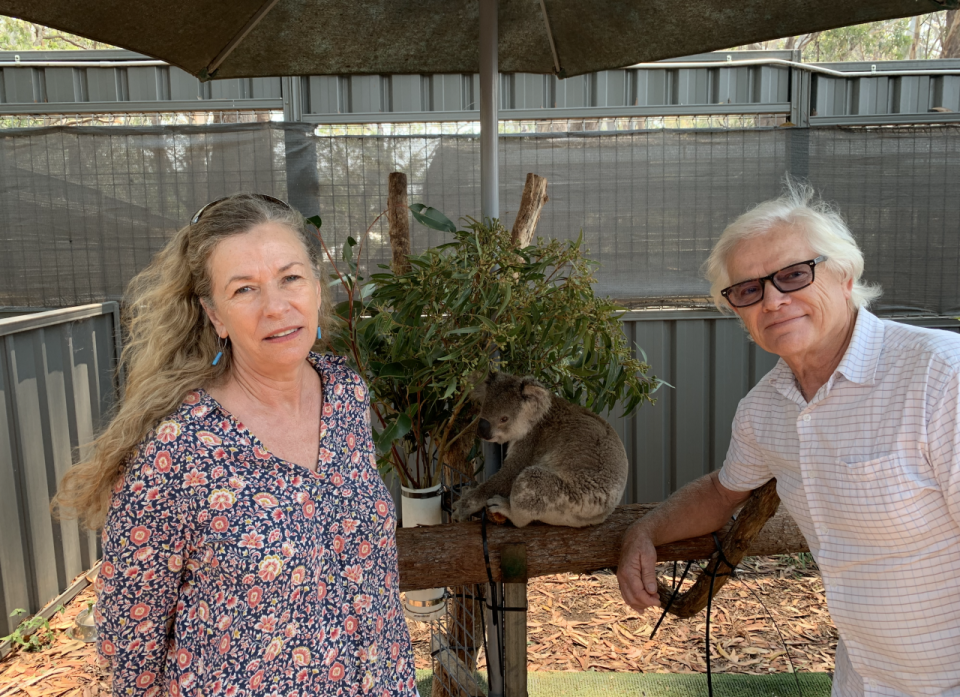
{"x": 56, "y": 382}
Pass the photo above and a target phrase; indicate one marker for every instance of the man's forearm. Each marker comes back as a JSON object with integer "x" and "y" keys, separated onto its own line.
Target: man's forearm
{"x": 699, "y": 508}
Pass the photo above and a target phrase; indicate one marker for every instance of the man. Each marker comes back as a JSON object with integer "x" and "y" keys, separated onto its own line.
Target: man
{"x": 860, "y": 424}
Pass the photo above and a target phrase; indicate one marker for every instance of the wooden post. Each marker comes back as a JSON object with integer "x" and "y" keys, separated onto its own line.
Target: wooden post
{"x": 531, "y": 205}
{"x": 513, "y": 569}
{"x": 456, "y": 662}
{"x": 398, "y": 220}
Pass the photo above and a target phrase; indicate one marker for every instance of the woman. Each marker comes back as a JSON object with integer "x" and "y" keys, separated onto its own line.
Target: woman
{"x": 248, "y": 545}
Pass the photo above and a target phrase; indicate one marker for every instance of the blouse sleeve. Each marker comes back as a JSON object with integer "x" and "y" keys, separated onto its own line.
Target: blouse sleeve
{"x": 144, "y": 554}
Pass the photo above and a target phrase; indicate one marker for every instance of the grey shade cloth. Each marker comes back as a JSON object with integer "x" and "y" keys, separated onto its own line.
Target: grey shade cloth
{"x": 83, "y": 209}
{"x": 327, "y": 37}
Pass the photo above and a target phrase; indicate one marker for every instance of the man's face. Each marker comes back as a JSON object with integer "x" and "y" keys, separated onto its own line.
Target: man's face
{"x": 799, "y": 326}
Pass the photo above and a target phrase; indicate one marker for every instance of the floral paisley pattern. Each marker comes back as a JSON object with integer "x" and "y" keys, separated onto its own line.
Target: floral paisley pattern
{"x": 227, "y": 571}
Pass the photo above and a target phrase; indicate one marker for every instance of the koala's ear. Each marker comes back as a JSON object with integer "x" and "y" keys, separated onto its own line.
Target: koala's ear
{"x": 536, "y": 395}
{"x": 479, "y": 392}
{"x": 491, "y": 378}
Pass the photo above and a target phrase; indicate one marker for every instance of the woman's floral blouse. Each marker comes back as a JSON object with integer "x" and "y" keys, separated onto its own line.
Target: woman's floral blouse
{"x": 227, "y": 571}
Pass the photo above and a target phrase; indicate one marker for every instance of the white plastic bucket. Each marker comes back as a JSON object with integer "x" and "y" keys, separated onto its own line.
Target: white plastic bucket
{"x": 422, "y": 507}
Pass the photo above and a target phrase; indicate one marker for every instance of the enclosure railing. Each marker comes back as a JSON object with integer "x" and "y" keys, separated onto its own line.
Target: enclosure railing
{"x": 56, "y": 384}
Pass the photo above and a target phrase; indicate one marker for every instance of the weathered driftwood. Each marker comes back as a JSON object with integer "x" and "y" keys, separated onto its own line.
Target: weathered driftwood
{"x": 398, "y": 221}
{"x": 531, "y": 205}
{"x": 759, "y": 508}
{"x": 452, "y": 555}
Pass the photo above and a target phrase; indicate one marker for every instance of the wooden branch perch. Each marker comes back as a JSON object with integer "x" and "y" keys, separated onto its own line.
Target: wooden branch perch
{"x": 760, "y": 507}
{"x": 398, "y": 220}
{"x": 452, "y": 555}
{"x": 531, "y": 205}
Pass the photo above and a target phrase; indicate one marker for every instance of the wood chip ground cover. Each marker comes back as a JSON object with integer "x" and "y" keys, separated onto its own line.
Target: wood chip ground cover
{"x": 576, "y": 622}
{"x": 579, "y": 622}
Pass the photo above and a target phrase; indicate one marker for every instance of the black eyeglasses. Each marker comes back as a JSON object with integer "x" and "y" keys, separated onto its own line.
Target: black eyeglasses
{"x": 262, "y": 197}
{"x": 787, "y": 280}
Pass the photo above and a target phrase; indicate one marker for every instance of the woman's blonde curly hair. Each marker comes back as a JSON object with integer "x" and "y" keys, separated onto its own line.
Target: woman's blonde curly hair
{"x": 171, "y": 343}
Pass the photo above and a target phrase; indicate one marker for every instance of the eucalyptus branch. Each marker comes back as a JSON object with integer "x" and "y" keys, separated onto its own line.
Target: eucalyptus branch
{"x": 452, "y": 311}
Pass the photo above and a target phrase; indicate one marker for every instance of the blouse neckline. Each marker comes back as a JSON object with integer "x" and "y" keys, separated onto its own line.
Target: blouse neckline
{"x": 316, "y": 361}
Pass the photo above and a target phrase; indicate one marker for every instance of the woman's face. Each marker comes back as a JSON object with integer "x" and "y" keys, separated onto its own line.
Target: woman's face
{"x": 265, "y": 298}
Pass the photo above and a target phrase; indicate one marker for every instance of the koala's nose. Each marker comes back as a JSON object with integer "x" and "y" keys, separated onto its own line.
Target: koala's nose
{"x": 483, "y": 428}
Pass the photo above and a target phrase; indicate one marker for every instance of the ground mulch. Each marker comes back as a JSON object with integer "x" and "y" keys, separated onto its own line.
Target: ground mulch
{"x": 63, "y": 667}
{"x": 575, "y": 622}
{"x": 579, "y": 622}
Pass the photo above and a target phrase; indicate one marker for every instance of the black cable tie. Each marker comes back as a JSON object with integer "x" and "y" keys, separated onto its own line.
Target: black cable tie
{"x": 495, "y": 609}
{"x": 713, "y": 577}
{"x": 721, "y": 557}
{"x": 676, "y": 592}
{"x": 786, "y": 649}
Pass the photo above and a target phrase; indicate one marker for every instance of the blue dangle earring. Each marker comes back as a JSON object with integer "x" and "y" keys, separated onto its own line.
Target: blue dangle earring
{"x": 216, "y": 359}
{"x": 319, "y": 331}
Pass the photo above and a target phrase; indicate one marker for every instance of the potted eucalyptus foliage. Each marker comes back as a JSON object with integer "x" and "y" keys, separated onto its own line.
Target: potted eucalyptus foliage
{"x": 424, "y": 338}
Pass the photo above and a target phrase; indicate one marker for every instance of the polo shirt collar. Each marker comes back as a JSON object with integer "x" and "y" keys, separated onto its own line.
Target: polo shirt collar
{"x": 859, "y": 363}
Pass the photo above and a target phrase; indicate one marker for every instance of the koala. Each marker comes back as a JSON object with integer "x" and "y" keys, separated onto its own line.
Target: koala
{"x": 564, "y": 466}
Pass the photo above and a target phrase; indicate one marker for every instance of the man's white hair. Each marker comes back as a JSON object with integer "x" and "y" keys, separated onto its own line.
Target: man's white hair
{"x": 801, "y": 210}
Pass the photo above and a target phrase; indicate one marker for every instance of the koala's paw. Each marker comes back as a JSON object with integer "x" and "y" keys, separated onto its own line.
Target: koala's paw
{"x": 466, "y": 507}
{"x": 497, "y": 509}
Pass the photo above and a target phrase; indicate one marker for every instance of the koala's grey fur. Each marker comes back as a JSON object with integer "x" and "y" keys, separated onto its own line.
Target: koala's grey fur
{"x": 564, "y": 466}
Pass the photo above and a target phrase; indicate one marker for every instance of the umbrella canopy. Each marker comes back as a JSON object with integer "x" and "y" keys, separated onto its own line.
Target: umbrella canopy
{"x": 256, "y": 38}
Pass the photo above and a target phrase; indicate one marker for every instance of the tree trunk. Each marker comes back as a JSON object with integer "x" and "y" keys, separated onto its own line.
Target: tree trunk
{"x": 452, "y": 555}
{"x": 915, "y": 27}
{"x": 531, "y": 205}
{"x": 398, "y": 220}
{"x": 951, "y": 35}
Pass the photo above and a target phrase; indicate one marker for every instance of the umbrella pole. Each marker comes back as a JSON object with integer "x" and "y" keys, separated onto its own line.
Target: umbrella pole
{"x": 490, "y": 208}
{"x": 489, "y": 97}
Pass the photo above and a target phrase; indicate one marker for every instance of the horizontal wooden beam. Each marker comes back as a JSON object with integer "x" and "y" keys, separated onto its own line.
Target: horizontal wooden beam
{"x": 452, "y": 555}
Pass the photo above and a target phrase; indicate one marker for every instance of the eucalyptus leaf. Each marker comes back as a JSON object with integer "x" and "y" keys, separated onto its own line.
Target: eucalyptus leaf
{"x": 432, "y": 218}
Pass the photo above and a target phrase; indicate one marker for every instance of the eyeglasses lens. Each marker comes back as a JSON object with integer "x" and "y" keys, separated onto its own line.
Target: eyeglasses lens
{"x": 745, "y": 293}
{"x": 794, "y": 277}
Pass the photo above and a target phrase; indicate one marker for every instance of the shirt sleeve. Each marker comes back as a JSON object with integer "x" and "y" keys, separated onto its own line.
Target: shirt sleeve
{"x": 943, "y": 437}
{"x": 744, "y": 468}
{"x": 144, "y": 555}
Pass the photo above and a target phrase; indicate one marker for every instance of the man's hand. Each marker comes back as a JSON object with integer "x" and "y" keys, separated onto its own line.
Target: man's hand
{"x": 700, "y": 507}
{"x": 637, "y": 572}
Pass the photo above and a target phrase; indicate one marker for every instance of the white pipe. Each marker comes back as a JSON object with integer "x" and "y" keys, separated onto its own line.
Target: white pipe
{"x": 790, "y": 64}
{"x": 489, "y": 111}
{"x": 83, "y": 64}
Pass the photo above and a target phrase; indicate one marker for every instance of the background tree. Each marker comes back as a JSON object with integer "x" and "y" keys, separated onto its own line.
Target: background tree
{"x": 18, "y": 35}
{"x": 929, "y": 36}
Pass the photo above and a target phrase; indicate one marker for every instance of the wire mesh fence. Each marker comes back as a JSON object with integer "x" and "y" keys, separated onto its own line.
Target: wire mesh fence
{"x": 82, "y": 209}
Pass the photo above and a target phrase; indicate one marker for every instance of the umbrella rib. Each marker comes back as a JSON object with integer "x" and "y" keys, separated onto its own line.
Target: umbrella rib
{"x": 241, "y": 35}
{"x": 553, "y": 46}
